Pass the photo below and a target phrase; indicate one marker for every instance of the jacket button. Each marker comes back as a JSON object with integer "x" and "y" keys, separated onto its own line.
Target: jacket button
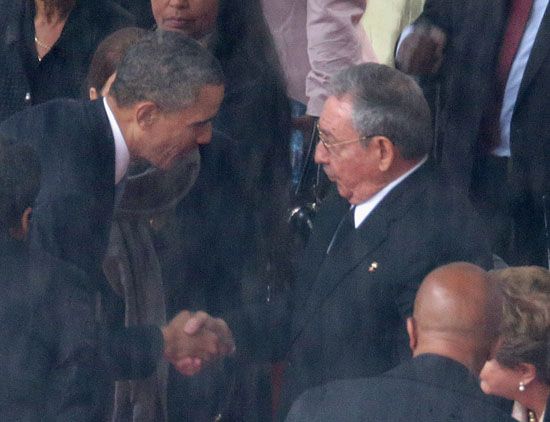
{"x": 28, "y": 97}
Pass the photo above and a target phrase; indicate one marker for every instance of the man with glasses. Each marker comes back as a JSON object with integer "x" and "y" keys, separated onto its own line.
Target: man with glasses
{"x": 360, "y": 271}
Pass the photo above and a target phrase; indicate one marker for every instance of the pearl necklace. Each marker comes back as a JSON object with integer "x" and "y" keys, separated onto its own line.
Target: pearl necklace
{"x": 45, "y": 46}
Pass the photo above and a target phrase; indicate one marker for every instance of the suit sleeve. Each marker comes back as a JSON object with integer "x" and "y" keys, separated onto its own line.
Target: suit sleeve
{"x": 70, "y": 360}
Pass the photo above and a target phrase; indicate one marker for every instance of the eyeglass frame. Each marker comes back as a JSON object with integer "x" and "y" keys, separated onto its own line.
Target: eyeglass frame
{"x": 330, "y": 146}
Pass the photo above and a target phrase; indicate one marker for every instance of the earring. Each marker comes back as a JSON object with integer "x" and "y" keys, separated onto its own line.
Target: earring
{"x": 521, "y": 386}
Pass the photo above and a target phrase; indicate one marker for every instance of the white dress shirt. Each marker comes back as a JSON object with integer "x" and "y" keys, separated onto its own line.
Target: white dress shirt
{"x": 516, "y": 75}
{"x": 122, "y": 155}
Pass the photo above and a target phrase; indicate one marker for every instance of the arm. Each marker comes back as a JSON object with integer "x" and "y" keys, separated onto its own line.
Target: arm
{"x": 336, "y": 40}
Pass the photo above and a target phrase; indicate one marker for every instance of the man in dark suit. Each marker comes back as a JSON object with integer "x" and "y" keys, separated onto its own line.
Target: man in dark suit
{"x": 490, "y": 61}
{"x": 362, "y": 266}
{"x": 451, "y": 334}
{"x": 166, "y": 93}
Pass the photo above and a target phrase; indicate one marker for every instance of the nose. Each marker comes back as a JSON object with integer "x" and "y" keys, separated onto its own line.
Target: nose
{"x": 321, "y": 154}
{"x": 179, "y": 4}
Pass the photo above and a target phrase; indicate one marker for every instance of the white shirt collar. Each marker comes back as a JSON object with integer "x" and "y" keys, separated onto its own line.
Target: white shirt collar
{"x": 122, "y": 155}
{"x": 363, "y": 210}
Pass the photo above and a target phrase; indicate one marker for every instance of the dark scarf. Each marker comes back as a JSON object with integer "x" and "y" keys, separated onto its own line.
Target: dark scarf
{"x": 133, "y": 270}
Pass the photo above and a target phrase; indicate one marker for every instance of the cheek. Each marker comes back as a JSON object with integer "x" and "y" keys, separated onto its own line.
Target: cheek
{"x": 495, "y": 380}
{"x": 158, "y": 7}
{"x": 206, "y": 13}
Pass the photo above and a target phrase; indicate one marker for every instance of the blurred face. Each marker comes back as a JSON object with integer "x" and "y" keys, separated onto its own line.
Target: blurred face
{"x": 352, "y": 166}
{"x": 169, "y": 136}
{"x": 499, "y": 380}
{"x": 195, "y": 18}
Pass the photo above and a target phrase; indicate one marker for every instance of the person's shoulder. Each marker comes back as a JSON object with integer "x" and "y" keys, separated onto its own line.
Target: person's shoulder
{"x": 45, "y": 120}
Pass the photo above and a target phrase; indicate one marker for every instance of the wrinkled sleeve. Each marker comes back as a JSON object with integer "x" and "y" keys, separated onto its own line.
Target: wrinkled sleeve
{"x": 336, "y": 40}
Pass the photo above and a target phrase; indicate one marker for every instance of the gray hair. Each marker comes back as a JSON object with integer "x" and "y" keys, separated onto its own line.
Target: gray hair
{"x": 167, "y": 68}
{"x": 387, "y": 102}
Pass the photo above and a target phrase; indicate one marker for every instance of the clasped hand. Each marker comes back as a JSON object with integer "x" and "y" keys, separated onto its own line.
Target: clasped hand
{"x": 192, "y": 339}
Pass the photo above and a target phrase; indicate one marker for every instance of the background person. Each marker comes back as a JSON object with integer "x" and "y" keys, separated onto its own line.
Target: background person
{"x": 520, "y": 368}
{"x": 488, "y": 63}
{"x": 47, "y": 47}
{"x": 230, "y": 242}
{"x": 19, "y": 185}
{"x": 452, "y": 331}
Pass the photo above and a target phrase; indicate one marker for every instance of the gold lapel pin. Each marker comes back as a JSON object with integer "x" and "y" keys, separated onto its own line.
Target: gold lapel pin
{"x": 373, "y": 267}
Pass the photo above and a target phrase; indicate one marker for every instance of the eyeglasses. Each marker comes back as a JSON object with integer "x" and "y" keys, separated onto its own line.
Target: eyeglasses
{"x": 328, "y": 145}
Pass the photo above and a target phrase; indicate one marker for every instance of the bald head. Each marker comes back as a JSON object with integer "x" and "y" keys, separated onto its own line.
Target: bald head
{"x": 456, "y": 314}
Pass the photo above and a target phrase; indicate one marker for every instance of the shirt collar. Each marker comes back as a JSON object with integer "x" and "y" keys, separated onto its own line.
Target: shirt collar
{"x": 122, "y": 155}
{"x": 363, "y": 210}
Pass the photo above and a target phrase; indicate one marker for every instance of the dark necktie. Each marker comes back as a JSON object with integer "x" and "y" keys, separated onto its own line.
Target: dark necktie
{"x": 343, "y": 231}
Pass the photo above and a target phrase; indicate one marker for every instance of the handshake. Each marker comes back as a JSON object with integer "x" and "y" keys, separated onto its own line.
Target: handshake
{"x": 192, "y": 339}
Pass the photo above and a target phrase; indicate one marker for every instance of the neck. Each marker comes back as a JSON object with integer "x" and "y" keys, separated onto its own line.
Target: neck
{"x": 400, "y": 167}
{"x": 535, "y": 397}
{"x": 51, "y": 14}
{"x": 460, "y": 351}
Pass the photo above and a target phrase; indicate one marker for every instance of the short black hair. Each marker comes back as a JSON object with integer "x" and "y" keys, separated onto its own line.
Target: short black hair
{"x": 19, "y": 181}
{"x": 167, "y": 68}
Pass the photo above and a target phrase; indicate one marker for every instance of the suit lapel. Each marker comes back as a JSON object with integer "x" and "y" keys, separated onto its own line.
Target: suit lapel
{"x": 538, "y": 53}
{"x": 315, "y": 253}
{"x": 366, "y": 239}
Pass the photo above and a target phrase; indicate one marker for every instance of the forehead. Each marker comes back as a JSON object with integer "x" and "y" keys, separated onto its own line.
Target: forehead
{"x": 337, "y": 115}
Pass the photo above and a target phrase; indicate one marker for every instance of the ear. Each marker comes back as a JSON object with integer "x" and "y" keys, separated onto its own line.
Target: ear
{"x": 411, "y": 331}
{"x": 528, "y": 372}
{"x": 20, "y": 232}
{"x": 386, "y": 152}
{"x": 26, "y": 221}
{"x": 93, "y": 94}
{"x": 146, "y": 113}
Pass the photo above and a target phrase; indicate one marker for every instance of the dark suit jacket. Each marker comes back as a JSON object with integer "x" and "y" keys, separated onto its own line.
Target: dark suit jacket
{"x": 475, "y": 29}
{"x": 349, "y": 307}
{"x": 70, "y": 361}
{"x": 426, "y": 388}
{"x": 73, "y": 210}
{"x": 70, "y": 227}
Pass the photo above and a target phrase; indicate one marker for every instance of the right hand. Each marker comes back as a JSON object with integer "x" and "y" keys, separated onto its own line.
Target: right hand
{"x": 192, "y": 339}
{"x": 421, "y": 52}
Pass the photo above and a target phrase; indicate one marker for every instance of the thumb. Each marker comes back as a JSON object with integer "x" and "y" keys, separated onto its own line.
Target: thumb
{"x": 195, "y": 323}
